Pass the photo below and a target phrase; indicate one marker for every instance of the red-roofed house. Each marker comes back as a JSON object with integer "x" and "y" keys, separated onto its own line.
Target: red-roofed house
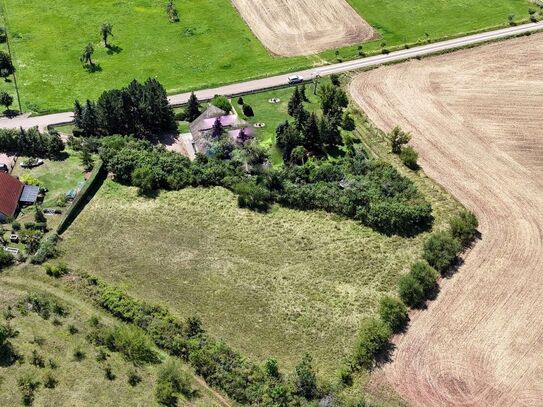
{"x": 10, "y": 192}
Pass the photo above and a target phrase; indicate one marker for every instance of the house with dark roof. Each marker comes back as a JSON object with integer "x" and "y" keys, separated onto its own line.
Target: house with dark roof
{"x": 201, "y": 128}
{"x": 14, "y": 194}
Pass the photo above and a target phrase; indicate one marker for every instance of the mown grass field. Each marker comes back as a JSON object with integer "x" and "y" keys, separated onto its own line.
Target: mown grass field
{"x": 211, "y": 44}
{"x": 79, "y": 382}
{"x": 276, "y": 284}
{"x": 272, "y": 114}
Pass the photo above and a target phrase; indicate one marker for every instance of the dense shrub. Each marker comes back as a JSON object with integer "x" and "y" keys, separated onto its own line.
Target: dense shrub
{"x": 411, "y": 292}
{"x": 394, "y": 313}
{"x": 440, "y": 251}
{"x": 172, "y": 380}
{"x": 56, "y": 270}
{"x": 248, "y": 110}
{"x": 253, "y": 196}
{"x": 6, "y": 258}
{"x": 372, "y": 339}
{"x": 132, "y": 343}
{"x": 46, "y": 250}
{"x": 219, "y": 365}
{"x": 418, "y": 285}
{"x": 464, "y": 228}
{"x": 305, "y": 379}
{"x": 409, "y": 157}
{"x": 221, "y": 102}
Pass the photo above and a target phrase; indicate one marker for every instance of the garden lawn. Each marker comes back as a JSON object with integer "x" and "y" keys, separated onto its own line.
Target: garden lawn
{"x": 58, "y": 177}
{"x": 277, "y": 284}
{"x": 211, "y": 45}
{"x": 272, "y": 114}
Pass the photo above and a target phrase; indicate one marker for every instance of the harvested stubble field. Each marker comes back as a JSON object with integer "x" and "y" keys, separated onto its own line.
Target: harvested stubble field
{"x": 277, "y": 284}
{"x": 476, "y": 121}
{"x": 304, "y": 27}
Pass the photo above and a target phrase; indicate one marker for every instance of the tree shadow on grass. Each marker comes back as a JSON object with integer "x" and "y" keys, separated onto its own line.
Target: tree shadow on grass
{"x": 113, "y": 49}
{"x": 8, "y": 355}
{"x": 11, "y": 113}
{"x": 93, "y": 68}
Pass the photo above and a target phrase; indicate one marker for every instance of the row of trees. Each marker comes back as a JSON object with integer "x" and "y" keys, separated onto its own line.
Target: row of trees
{"x": 140, "y": 109}
{"x": 415, "y": 288}
{"x": 31, "y": 142}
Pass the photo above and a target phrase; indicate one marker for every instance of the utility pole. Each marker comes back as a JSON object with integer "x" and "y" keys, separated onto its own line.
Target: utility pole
{"x": 316, "y": 82}
{"x": 11, "y": 56}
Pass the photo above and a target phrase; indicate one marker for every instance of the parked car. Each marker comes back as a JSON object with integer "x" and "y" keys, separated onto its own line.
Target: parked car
{"x": 31, "y": 163}
{"x": 295, "y": 79}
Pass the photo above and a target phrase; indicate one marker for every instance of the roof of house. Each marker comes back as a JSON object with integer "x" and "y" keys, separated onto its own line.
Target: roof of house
{"x": 210, "y": 113}
{"x": 10, "y": 192}
{"x": 30, "y": 194}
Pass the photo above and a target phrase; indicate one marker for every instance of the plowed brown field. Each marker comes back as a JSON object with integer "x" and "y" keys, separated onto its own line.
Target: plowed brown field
{"x": 304, "y": 27}
{"x": 477, "y": 122}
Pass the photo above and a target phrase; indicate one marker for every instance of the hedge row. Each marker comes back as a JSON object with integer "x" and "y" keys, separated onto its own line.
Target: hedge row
{"x": 212, "y": 359}
{"x": 415, "y": 288}
{"x": 92, "y": 185}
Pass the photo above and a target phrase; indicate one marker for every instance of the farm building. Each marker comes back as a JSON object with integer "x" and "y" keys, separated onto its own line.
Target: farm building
{"x": 201, "y": 128}
{"x": 14, "y": 194}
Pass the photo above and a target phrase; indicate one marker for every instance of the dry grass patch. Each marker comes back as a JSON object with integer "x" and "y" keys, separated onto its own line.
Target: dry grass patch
{"x": 276, "y": 284}
{"x": 476, "y": 122}
{"x": 304, "y": 27}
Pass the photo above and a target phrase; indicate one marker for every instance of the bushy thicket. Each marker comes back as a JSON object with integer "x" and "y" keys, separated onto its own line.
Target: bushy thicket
{"x": 139, "y": 109}
{"x": 418, "y": 285}
{"x": 31, "y": 143}
{"x": 6, "y": 259}
{"x": 372, "y": 339}
{"x": 212, "y": 359}
{"x": 464, "y": 228}
{"x": 129, "y": 340}
{"x": 440, "y": 250}
{"x": 372, "y": 192}
{"x": 46, "y": 250}
{"x": 394, "y": 313}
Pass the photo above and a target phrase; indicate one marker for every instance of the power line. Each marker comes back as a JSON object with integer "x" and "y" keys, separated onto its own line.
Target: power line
{"x": 5, "y": 15}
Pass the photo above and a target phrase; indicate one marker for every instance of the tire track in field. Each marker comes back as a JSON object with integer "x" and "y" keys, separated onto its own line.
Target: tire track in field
{"x": 476, "y": 121}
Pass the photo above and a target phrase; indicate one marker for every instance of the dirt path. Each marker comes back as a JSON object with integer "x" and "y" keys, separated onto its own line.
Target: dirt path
{"x": 477, "y": 124}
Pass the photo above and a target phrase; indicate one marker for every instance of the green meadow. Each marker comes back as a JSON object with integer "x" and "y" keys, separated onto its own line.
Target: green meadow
{"x": 211, "y": 44}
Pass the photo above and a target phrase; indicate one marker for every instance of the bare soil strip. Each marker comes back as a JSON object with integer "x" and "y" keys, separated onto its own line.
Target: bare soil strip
{"x": 477, "y": 124}
{"x": 304, "y": 27}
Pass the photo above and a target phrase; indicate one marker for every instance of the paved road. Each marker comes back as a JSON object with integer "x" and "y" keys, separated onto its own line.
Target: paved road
{"x": 270, "y": 82}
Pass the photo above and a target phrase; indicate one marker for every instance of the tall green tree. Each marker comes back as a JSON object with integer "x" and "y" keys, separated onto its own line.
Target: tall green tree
{"x": 86, "y": 56}
{"x": 192, "y": 110}
{"x": 295, "y": 102}
{"x": 6, "y": 99}
{"x": 397, "y": 139}
{"x": 6, "y": 65}
{"x": 312, "y": 134}
{"x": 106, "y": 30}
{"x": 217, "y": 129}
